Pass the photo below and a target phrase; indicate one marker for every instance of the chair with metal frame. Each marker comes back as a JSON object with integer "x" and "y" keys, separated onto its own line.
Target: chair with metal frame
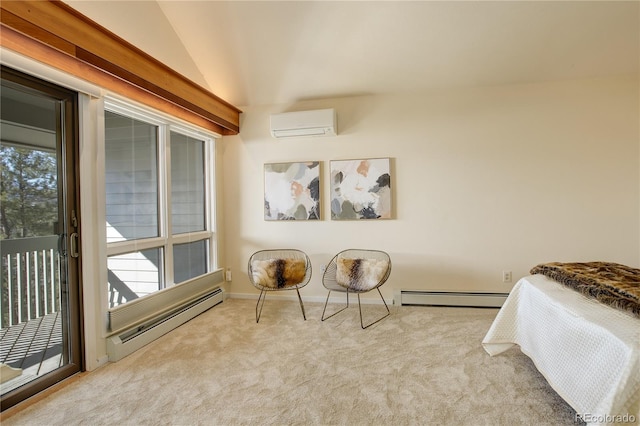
{"x": 357, "y": 271}
{"x": 278, "y": 270}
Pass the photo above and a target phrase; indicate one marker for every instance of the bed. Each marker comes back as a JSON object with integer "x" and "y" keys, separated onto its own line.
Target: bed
{"x": 588, "y": 351}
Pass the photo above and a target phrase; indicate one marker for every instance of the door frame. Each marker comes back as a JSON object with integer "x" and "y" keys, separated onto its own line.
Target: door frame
{"x": 68, "y": 145}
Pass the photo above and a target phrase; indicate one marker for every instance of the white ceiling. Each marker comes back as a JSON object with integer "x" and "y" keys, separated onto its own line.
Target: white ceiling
{"x": 268, "y": 52}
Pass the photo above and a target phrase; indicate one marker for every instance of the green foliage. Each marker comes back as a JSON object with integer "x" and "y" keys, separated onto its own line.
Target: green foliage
{"x": 28, "y": 192}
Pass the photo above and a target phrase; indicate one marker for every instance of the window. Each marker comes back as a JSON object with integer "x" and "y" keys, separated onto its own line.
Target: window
{"x": 187, "y": 184}
{"x": 158, "y": 187}
{"x": 131, "y": 178}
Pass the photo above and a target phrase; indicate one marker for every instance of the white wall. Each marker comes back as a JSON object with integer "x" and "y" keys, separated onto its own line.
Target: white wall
{"x": 143, "y": 24}
{"x": 484, "y": 180}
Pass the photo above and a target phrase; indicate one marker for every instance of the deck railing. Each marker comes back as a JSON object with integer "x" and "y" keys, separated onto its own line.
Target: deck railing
{"x": 30, "y": 279}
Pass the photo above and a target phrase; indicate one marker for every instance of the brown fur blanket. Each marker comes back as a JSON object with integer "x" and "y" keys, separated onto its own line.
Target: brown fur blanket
{"x": 610, "y": 283}
{"x": 278, "y": 273}
{"x": 361, "y": 275}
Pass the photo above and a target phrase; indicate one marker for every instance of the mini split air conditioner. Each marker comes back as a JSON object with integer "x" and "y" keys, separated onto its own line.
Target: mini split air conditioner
{"x": 320, "y": 122}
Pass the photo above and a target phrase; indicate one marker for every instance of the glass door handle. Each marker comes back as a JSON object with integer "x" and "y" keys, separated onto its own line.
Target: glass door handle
{"x": 74, "y": 244}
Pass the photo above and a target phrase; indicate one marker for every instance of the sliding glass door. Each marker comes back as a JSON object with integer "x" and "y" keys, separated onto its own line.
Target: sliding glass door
{"x": 40, "y": 339}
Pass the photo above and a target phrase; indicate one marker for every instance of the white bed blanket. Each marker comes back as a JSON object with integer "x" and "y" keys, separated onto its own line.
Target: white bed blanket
{"x": 588, "y": 352}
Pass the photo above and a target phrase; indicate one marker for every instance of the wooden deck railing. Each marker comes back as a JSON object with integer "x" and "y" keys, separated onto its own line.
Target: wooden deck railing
{"x": 30, "y": 279}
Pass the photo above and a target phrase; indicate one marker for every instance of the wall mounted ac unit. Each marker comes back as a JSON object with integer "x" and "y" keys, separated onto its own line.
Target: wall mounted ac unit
{"x": 320, "y": 122}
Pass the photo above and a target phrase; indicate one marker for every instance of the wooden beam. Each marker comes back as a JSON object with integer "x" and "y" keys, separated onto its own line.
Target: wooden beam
{"x": 26, "y": 46}
{"x": 57, "y": 35}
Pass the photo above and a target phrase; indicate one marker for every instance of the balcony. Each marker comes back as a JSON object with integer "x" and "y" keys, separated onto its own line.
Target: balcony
{"x": 30, "y": 310}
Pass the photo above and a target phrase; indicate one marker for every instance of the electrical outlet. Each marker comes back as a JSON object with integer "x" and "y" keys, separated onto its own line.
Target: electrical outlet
{"x": 506, "y": 276}
{"x": 228, "y": 275}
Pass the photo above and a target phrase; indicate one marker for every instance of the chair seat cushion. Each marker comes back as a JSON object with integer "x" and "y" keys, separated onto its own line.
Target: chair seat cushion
{"x": 360, "y": 274}
{"x": 278, "y": 273}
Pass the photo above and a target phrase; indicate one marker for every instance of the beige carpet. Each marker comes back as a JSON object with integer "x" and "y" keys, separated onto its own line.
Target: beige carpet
{"x": 420, "y": 366}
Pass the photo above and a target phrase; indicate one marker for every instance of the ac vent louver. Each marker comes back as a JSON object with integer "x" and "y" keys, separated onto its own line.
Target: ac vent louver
{"x": 320, "y": 122}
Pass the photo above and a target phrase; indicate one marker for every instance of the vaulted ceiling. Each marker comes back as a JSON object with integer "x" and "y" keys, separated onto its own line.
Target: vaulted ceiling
{"x": 266, "y": 52}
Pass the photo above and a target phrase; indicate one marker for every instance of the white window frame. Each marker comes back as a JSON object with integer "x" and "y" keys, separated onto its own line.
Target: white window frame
{"x": 166, "y": 240}
{"x": 209, "y": 191}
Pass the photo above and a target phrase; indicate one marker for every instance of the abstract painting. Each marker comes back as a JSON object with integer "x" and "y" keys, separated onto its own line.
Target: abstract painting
{"x": 361, "y": 189}
{"x": 292, "y": 191}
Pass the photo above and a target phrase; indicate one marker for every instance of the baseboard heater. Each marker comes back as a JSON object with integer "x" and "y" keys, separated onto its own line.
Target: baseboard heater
{"x": 447, "y": 298}
{"x": 129, "y": 341}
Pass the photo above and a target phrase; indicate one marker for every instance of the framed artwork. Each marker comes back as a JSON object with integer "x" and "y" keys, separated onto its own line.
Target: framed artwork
{"x": 361, "y": 189}
{"x": 292, "y": 191}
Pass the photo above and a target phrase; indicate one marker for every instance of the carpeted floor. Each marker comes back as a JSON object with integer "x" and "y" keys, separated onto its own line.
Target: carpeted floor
{"x": 420, "y": 366}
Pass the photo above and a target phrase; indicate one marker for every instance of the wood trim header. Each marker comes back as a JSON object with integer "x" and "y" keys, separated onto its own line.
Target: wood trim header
{"x": 59, "y": 36}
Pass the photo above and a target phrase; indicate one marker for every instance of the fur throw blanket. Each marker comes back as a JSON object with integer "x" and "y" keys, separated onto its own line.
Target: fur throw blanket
{"x": 610, "y": 283}
{"x": 360, "y": 274}
{"x": 278, "y": 273}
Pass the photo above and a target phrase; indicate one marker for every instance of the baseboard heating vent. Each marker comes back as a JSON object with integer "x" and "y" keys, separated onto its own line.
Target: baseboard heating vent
{"x": 446, "y": 298}
{"x": 129, "y": 341}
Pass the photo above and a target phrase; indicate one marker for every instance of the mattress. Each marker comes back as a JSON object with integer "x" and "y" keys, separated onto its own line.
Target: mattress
{"x": 588, "y": 352}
